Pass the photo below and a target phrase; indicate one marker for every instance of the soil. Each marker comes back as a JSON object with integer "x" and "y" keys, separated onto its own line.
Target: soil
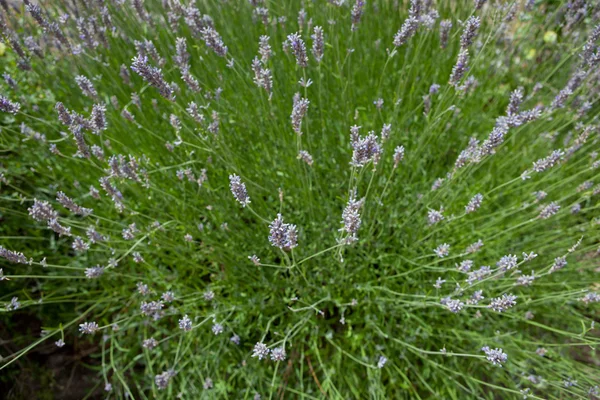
{"x": 47, "y": 371}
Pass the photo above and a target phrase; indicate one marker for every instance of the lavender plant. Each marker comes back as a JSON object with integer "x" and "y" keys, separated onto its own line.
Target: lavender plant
{"x": 319, "y": 199}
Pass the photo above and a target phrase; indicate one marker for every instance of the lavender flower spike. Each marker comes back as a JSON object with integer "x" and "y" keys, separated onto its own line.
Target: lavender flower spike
{"x": 460, "y": 68}
{"x": 495, "y": 356}
{"x": 282, "y": 235}
{"x": 364, "y": 149}
{"x": 298, "y": 112}
{"x": 298, "y": 48}
{"x": 98, "y": 118}
{"x": 398, "y": 155}
{"x": 305, "y": 156}
{"x": 549, "y": 210}
{"x": 469, "y": 32}
{"x": 12, "y": 256}
{"x": 351, "y": 218}
{"x": 474, "y": 203}
{"x": 86, "y": 86}
{"x": 88, "y": 328}
{"x": 357, "y": 12}
{"x": 8, "y": 106}
{"x": 152, "y": 75}
{"x": 260, "y": 351}
{"x": 445, "y": 27}
{"x": 213, "y": 40}
{"x": 185, "y": 323}
{"x": 501, "y": 304}
{"x": 407, "y": 30}
{"x": 238, "y": 189}
{"x": 318, "y": 43}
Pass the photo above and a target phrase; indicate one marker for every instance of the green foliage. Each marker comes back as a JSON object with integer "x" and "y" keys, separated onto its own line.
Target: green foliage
{"x": 335, "y": 306}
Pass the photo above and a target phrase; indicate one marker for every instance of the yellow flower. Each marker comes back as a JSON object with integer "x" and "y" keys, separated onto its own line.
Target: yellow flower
{"x": 2, "y": 49}
{"x": 550, "y": 37}
{"x": 530, "y": 54}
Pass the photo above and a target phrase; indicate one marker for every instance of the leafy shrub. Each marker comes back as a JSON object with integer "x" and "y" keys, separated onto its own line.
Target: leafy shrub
{"x": 307, "y": 200}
